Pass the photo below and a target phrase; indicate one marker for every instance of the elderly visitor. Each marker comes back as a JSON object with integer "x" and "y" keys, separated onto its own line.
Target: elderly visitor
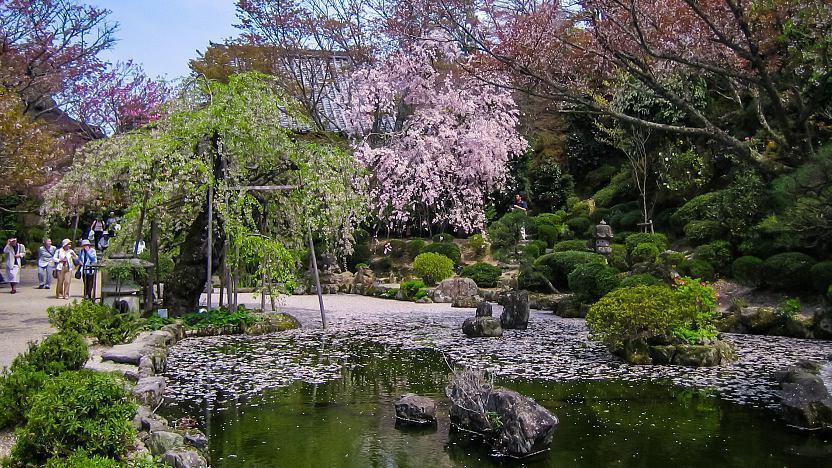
{"x": 14, "y": 260}
{"x": 65, "y": 258}
{"x": 46, "y": 264}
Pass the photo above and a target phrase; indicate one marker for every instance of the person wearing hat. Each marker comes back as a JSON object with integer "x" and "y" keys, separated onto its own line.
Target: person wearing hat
{"x": 45, "y": 264}
{"x": 87, "y": 257}
{"x": 14, "y": 260}
{"x": 64, "y": 259}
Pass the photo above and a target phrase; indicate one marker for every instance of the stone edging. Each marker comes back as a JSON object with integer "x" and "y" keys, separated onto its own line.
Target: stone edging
{"x": 141, "y": 362}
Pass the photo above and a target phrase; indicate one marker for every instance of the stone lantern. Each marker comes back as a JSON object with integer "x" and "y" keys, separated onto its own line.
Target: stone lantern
{"x": 602, "y": 241}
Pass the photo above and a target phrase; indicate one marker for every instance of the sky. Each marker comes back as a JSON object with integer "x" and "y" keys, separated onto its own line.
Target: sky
{"x": 162, "y": 35}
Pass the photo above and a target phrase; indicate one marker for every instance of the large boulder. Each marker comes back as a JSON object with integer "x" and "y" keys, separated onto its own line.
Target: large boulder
{"x": 568, "y": 306}
{"x": 469, "y": 302}
{"x": 477, "y": 327}
{"x": 669, "y": 350}
{"x": 759, "y": 320}
{"x": 184, "y": 457}
{"x": 416, "y": 409}
{"x": 149, "y": 390}
{"x": 806, "y": 402}
{"x": 455, "y": 289}
{"x": 363, "y": 281}
{"x": 273, "y": 322}
{"x": 515, "y": 310}
{"x": 160, "y": 442}
{"x": 511, "y": 423}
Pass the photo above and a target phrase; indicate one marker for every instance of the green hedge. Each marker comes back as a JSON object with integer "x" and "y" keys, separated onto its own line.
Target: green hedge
{"x": 78, "y": 410}
{"x": 558, "y": 265}
{"x": 447, "y": 249}
{"x": 433, "y": 267}
{"x": 591, "y": 281}
{"x": 484, "y": 274}
{"x": 640, "y": 279}
{"x": 644, "y": 253}
{"x": 790, "y": 271}
{"x": 571, "y": 245}
{"x": 657, "y": 239}
{"x": 748, "y": 270}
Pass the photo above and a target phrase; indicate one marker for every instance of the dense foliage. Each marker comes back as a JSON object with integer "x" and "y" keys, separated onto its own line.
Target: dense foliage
{"x": 97, "y": 320}
{"x": 448, "y": 249}
{"x": 433, "y": 267}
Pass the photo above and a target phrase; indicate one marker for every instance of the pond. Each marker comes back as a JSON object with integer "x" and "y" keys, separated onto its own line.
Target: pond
{"x": 321, "y": 399}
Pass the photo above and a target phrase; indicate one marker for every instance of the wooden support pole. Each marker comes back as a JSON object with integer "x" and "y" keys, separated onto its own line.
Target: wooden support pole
{"x": 208, "y": 286}
{"x": 317, "y": 277}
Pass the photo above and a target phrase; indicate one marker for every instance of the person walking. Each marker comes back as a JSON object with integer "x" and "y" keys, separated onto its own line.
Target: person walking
{"x": 14, "y": 260}
{"x": 97, "y": 228}
{"x": 46, "y": 264}
{"x": 64, "y": 259}
{"x": 87, "y": 257}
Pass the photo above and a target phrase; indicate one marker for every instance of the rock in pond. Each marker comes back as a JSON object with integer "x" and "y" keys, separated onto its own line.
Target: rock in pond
{"x": 415, "y": 409}
{"x": 160, "y": 442}
{"x": 455, "y": 289}
{"x": 477, "y": 327}
{"x": 807, "y": 403}
{"x": 513, "y": 424}
{"x": 669, "y": 350}
{"x": 183, "y": 457}
{"x": 515, "y": 310}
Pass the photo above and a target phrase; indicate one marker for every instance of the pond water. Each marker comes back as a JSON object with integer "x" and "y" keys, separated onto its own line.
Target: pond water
{"x": 325, "y": 398}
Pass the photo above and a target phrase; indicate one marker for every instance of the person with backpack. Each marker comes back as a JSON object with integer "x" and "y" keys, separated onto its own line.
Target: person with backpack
{"x": 64, "y": 259}
{"x": 14, "y": 260}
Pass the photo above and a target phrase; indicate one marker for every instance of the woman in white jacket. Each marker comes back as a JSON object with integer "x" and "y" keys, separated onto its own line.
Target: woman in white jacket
{"x": 64, "y": 258}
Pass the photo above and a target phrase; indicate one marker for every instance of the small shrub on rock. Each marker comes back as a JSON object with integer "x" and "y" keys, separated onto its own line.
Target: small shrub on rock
{"x": 77, "y": 410}
{"x": 571, "y": 245}
{"x": 657, "y": 239}
{"x": 484, "y": 274}
{"x": 448, "y": 249}
{"x": 413, "y": 290}
{"x": 748, "y": 270}
{"x": 822, "y": 276}
{"x": 477, "y": 244}
{"x": 790, "y": 271}
{"x": 644, "y": 253}
{"x": 558, "y": 265}
{"x": 591, "y": 281}
{"x": 433, "y": 267}
{"x": 632, "y": 313}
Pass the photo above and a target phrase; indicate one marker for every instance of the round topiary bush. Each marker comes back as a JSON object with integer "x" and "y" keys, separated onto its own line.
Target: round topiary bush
{"x": 79, "y": 410}
{"x": 644, "y": 253}
{"x": 552, "y": 219}
{"x": 447, "y": 249}
{"x": 701, "y": 232}
{"x": 789, "y": 271}
{"x": 701, "y": 269}
{"x": 590, "y": 281}
{"x": 433, "y": 267}
{"x": 534, "y": 249}
{"x": 579, "y": 226}
{"x": 571, "y": 245}
{"x": 640, "y": 279}
{"x": 558, "y": 265}
{"x": 748, "y": 270}
{"x": 657, "y": 239}
{"x": 633, "y": 313}
{"x": 717, "y": 253}
{"x": 484, "y": 274}
{"x": 822, "y": 276}
{"x": 549, "y": 234}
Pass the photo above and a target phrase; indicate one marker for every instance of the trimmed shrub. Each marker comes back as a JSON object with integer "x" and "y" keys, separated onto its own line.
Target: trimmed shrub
{"x": 590, "y": 281}
{"x": 748, "y": 270}
{"x": 550, "y": 219}
{"x": 557, "y": 266}
{"x": 640, "y": 279}
{"x": 433, "y": 267}
{"x": 549, "y": 234}
{"x": 580, "y": 226}
{"x": 484, "y": 274}
{"x": 57, "y": 353}
{"x": 478, "y": 245}
{"x": 701, "y": 269}
{"x": 632, "y": 313}
{"x": 447, "y": 249}
{"x": 79, "y": 410}
{"x": 822, "y": 276}
{"x": 789, "y": 271}
{"x": 717, "y": 253}
{"x": 414, "y": 248}
{"x": 657, "y": 239}
{"x": 644, "y": 253}
{"x": 505, "y": 234}
{"x": 534, "y": 249}
{"x": 705, "y": 206}
{"x": 701, "y": 232}
{"x": 571, "y": 245}
{"x": 101, "y": 321}
{"x": 618, "y": 258}
{"x": 413, "y": 290}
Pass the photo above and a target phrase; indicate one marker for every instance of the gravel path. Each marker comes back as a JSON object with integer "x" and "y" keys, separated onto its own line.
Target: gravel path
{"x": 552, "y": 349}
